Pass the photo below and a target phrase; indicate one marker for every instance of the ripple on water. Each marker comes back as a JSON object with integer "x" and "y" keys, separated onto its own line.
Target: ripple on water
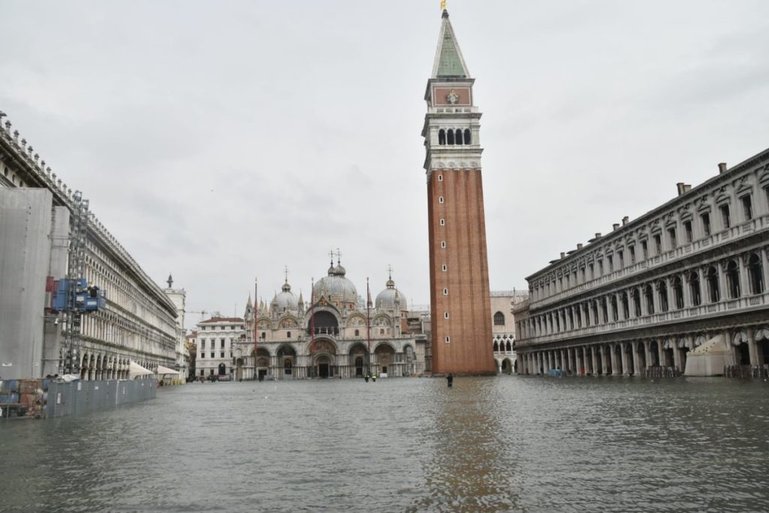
{"x": 486, "y": 445}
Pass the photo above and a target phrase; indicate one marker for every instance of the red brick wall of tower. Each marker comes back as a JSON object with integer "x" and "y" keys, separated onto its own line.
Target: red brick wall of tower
{"x": 469, "y": 350}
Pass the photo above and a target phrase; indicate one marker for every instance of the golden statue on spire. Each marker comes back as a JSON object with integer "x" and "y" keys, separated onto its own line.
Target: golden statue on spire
{"x": 443, "y": 5}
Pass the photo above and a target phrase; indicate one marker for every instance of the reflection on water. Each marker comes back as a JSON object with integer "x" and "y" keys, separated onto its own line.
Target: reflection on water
{"x": 487, "y": 444}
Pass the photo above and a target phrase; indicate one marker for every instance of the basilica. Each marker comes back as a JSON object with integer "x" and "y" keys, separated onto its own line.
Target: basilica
{"x": 336, "y": 334}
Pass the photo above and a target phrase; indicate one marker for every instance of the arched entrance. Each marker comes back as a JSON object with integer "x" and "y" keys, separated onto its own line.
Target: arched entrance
{"x": 323, "y": 354}
{"x": 385, "y": 357}
{"x": 359, "y": 360}
{"x": 507, "y": 366}
{"x": 287, "y": 360}
{"x": 262, "y": 363}
{"x": 222, "y": 369}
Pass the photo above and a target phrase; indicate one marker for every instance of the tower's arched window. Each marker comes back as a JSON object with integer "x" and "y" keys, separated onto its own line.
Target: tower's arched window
{"x": 450, "y": 138}
{"x": 756, "y": 274}
{"x": 499, "y": 319}
{"x": 458, "y": 136}
{"x": 468, "y": 137}
{"x": 733, "y": 279}
{"x": 441, "y": 136}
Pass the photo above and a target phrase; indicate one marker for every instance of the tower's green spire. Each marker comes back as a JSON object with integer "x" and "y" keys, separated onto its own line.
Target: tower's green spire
{"x": 448, "y": 58}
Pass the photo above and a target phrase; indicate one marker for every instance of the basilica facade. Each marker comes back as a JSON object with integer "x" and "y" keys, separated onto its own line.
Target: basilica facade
{"x": 336, "y": 334}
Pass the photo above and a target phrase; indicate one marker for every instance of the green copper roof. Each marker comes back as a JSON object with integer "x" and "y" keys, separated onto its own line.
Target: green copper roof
{"x": 449, "y": 61}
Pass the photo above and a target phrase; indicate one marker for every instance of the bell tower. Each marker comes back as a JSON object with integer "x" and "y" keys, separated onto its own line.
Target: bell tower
{"x": 459, "y": 275}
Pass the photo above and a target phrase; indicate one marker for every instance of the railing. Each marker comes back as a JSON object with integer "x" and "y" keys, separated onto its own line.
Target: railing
{"x": 747, "y": 371}
{"x": 658, "y": 372}
{"x": 730, "y": 306}
{"x": 684, "y": 251}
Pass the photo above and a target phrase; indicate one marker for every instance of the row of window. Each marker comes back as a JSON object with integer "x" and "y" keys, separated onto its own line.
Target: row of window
{"x": 672, "y": 292}
{"x": 454, "y": 136}
{"x": 213, "y": 355}
{"x": 213, "y": 343}
{"x": 658, "y": 243}
{"x": 504, "y": 346}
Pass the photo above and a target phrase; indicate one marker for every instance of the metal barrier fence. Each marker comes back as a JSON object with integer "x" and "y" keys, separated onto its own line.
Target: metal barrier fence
{"x": 83, "y": 397}
{"x": 747, "y": 371}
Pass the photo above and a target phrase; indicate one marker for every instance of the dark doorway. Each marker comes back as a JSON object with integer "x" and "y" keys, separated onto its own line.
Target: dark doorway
{"x": 743, "y": 354}
{"x": 323, "y": 370}
{"x": 222, "y": 369}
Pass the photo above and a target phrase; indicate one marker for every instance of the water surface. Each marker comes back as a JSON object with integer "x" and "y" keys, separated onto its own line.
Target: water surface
{"x": 410, "y": 444}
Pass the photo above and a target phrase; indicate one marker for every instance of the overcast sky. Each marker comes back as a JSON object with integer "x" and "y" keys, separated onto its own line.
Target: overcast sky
{"x": 223, "y": 141}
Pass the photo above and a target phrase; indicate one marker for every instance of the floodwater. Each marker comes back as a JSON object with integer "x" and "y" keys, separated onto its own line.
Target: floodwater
{"x": 403, "y": 445}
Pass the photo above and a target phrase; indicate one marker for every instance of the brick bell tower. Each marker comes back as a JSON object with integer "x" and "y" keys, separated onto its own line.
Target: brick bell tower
{"x": 459, "y": 273}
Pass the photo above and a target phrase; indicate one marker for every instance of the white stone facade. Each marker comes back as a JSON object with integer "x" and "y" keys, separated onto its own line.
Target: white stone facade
{"x": 335, "y": 335}
{"x": 215, "y": 339}
{"x": 503, "y": 327}
{"x": 139, "y": 320}
{"x": 689, "y": 271}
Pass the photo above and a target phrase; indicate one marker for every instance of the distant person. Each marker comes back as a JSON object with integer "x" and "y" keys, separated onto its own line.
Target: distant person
{"x": 450, "y": 380}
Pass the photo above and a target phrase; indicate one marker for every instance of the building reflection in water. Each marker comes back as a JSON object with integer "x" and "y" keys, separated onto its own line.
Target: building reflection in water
{"x": 473, "y": 465}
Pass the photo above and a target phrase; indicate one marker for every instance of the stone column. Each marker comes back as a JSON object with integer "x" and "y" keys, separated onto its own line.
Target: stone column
{"x": 579, "y": 361}
{"x": 615, "y": 364}
{"x": 594, "y": 360}
{"x": 642, "y": 299}
{"x": 637, "y": 348}
{"x": 742, "y": 265}
{"x": 647, "y": 353}
{"x": 656, "y": 297}
{"x": 623, "y": 357}
{"x": 610, "y": 308}
{"x": 677, "y": 356}
{"x": 755, "y": 359}
{"x": 764, "y": 254}
{"x": 669, "y": 294}
{"x": 722, "y": 283}
{"x": 687, "y": 291}
{"x": 569, "y": 361}
{"x": 660, "y": 353}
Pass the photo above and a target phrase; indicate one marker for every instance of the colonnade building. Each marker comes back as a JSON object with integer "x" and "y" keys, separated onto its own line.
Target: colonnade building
{"x": 691, "y": 273}
{"x": 139, "y": 322}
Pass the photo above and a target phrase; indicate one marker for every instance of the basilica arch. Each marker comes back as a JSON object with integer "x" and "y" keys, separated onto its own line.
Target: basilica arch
{"x": 323, "y": 358}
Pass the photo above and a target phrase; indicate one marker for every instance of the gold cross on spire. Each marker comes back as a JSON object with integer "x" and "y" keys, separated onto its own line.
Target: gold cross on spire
{"x": 443, "y": 5}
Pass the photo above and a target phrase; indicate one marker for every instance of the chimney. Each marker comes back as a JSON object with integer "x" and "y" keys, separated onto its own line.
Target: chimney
{"x": 721, "y": 168}
{"x": 563, "y": 254}
{"x": 615, "y": 226}
{"x": 687, "y": 187}
{"x": 597, "y": 235}
{"x": 680, "y": 187}
{"x": 625, "y": 220}
{"x": 579, "y": 246}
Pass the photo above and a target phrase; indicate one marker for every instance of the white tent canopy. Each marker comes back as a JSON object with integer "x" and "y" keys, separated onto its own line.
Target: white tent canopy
{"x": 135, "y": 370}
{"x": 166, "y": 370}
{"x": 707, "y": 359}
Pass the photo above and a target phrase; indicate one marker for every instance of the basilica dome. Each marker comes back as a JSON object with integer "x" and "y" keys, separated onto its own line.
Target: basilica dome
{"x": 335, "y": 287}
{"x": 285, "y": 301}
{"x": 391, "y": 298}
